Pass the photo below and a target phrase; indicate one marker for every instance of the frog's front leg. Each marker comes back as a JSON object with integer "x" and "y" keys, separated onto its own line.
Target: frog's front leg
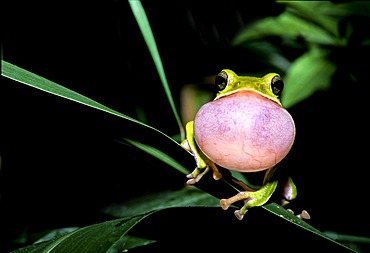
{"x": 202, "y": 162}
{"x": 253, "y": 198}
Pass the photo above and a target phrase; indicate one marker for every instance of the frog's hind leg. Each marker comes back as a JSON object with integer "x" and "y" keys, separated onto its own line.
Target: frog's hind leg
{"x": 252, "y": 198}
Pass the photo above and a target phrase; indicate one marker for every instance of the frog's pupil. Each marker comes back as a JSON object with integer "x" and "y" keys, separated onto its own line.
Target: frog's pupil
{"x": 277, "y": 85}
{"x": 221, "y": 80}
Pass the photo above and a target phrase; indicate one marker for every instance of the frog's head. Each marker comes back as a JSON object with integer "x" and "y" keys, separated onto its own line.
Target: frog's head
{"x": 269, "y": 86}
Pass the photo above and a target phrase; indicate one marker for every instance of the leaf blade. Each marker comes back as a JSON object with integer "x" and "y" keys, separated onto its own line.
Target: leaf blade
{"x": 147, "y": 33}
{"x": 102, "y": 237}
{"x": 158, "y": 154}
{"x": 26, "y": 77}
{"x": 283, "y": 213}
{"x": 309, "y": 73}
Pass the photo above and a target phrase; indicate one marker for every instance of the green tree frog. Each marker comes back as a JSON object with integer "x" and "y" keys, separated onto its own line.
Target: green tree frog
{"x": 245, "y": 129}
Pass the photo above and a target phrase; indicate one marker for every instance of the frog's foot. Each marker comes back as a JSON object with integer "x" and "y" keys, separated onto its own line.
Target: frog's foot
{"x": 196, "y": 175}
{"x": 216, "y": 173}
{"x": 304, "y": 215}
{"x": 289, "y": 191}
{"x": 250, "y": 198}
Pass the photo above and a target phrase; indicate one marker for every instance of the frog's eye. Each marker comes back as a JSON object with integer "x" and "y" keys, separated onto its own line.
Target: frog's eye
{"x": 277, "y": 85}
{"x": 221, "y": 80}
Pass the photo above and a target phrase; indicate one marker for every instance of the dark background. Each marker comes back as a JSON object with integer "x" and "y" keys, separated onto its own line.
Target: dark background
{"x": 61, "y": 162}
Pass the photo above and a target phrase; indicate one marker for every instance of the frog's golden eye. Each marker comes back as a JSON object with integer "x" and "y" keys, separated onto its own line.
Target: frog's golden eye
{"x": 277, "y": 85}
{"x": 221, "y": 80}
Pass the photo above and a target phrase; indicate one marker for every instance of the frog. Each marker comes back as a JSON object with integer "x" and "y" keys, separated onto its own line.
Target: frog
{"x": 246, "y": 129}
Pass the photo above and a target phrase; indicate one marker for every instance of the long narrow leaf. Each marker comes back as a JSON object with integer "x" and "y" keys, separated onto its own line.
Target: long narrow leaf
{"x": 159, "y": 155}
{"x": 26, "y": 77}
{"x": 146, "y": 31}
{"x": 283, "y": 213}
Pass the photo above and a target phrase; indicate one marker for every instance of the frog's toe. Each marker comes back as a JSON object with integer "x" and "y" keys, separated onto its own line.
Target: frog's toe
{"x": 190, "y": 175}
{"x": 224, "y": 204}
{"x": 196, "y": 175}
{"x": 239, "y": 215}
{"x": 304, "y": 215}
{"x": 216, "y": 173}
{"x": 191, "y": 181}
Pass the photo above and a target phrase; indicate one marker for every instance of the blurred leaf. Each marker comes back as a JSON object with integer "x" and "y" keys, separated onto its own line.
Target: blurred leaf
{"x": 353, "y": 8}
{"x": 146, "y": 31}
{"x": 321, "y": 13}
{"x": 302, "y": 22}
{"x": 192, "y": 97}
{"x": 347, "y": 238}
{"x": 309, "y": 73}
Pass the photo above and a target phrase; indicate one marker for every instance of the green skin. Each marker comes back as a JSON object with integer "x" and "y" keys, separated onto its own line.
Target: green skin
{"x": 246, "y": 129}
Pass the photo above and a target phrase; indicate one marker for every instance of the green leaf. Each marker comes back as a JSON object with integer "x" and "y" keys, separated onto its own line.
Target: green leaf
{"x": 158, "y": 154}
{"x": 185, "y": 197}
{"x": 146, "y": 31}
{"x": 285, "y": 214}
{"x": 183, "y": 224}
{"x": 56, "y": 233}
{"x": 354, "y": 8}
{"x": 347, "y": 238}
{"x": 289, "y": 25}
{"x": 192, "y": 197}
{"x": 321, "y": 13}
{"x": 309, "y": 73}
{"x": 108, "y": 236}
{"x": 26, "y": 77}
{"x": 124, "y": 243}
